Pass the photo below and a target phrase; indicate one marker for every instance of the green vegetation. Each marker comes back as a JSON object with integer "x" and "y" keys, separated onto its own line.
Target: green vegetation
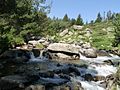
{"x": 40, "y": 46}
{"x": 116, "y": 83}
{"x": 105, "y": 32}
{"x": 22, "y": 18}
{"x": 79, "y": 20}
{"x": 99, "y": 18}
{"x": 65, "y": 18}
{"x": 116, "y": 24}
{"x": 103, "y": 35}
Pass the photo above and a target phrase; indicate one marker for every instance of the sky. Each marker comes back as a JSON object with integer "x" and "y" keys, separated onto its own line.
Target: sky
{"x": 88, "y": 9}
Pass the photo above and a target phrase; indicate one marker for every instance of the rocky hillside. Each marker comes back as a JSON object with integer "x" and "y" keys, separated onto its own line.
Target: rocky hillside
{"x": 99, "y": 35}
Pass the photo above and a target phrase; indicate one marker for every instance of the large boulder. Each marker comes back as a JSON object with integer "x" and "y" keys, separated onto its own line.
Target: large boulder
{"x": 60, "y": 47}
{"x": 16, "y": 55}
{"x": 102, "y": 53}
{"x": 90, "y": 53}
{"x": 63, "y": 51}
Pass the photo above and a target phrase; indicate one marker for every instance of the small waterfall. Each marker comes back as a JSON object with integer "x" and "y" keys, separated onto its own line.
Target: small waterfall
{"x": 33, "y": 58}
{"x": 37, "y": 59}
{"x": 32, "y": 55}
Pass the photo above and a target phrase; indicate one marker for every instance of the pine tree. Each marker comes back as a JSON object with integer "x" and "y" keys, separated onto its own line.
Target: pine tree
{"x": 79, "y": 20}
{"x": 73, "y": 21}
{"x": 109, "y": 15}
{"x": 65, "y": 18}
{"x": 99, "y": 18}
{"x": 91, "y": 22}
{"x": 116, "y": 24}
{"x": 19, "y": 17}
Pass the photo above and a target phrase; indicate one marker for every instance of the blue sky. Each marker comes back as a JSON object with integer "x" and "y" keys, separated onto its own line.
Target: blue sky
{"x": 87, "y": 8}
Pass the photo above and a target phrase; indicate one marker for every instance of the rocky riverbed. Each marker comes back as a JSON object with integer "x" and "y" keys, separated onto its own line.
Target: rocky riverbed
{"x": 59, "y": 67}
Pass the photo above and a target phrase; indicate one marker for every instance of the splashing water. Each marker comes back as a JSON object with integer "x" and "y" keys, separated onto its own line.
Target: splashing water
{"x": 99, "y": 59}
{"x": 37, "y": 59}
{"x": 98, "y": 69}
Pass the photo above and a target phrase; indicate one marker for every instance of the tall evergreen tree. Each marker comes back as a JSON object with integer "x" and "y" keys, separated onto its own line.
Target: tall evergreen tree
{"x": 116, "y": 24}
{"x": 109, "y": 15}
{"x": 65, "y": 18}
{"x": 99, "y": 18}
{"x": 91, "y": 22}
{"x": 73, "y": 21}
{"x": 79, "y": 20}
{"x": 19, "y": 17}
{"x": 7, "y": 6}
{"x": 113, "y": 16}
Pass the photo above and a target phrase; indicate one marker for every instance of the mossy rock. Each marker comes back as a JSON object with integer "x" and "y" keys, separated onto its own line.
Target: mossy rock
{"x": 40, "y": 46}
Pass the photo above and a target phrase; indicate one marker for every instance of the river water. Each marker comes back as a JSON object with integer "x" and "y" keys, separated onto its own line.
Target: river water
{"x": 96, "y": 67}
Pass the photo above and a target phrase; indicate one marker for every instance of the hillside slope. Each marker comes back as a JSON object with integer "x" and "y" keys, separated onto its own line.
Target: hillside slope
{"x": 99, "y": 35}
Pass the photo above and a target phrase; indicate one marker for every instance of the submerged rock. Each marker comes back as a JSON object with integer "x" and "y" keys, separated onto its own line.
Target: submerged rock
{"x": 99, "y": 78}
{"x": 108, "y": 62}
{"x": 35, "y": 87}
{"x": 52, "y": 81}
{"x": 13, "y": 82}
{"x": 75, "y": 86}
{"x": 88, "y": 77}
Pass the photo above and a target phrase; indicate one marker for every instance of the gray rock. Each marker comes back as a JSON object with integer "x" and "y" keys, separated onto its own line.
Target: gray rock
{"x": 108, "y": 62}
{"x": 74, "y": 86}
{"x": 12, "y": 82}
{"x": 63, "y": 56}
{"x": 63, "y": 51}
{"x": 52, "y": 81}
{"x": 16, "y": 55}
{"x": 88, "y": 77}
{"x": 35, "y": 87}
{"x": 102, "y": 53}
{"x": 78, "y": 27}
{"x": 33, "y": 42}
{"x": 86, "y": 45}
{"x": 99, "y": 78}
{"x": 64, "y": 32}
{"x": 90, "y": 53}
{"x": 60, "y": 47}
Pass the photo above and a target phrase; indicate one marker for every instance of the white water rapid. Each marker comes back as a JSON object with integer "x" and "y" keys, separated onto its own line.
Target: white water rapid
{"x": 96, "y": 67}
